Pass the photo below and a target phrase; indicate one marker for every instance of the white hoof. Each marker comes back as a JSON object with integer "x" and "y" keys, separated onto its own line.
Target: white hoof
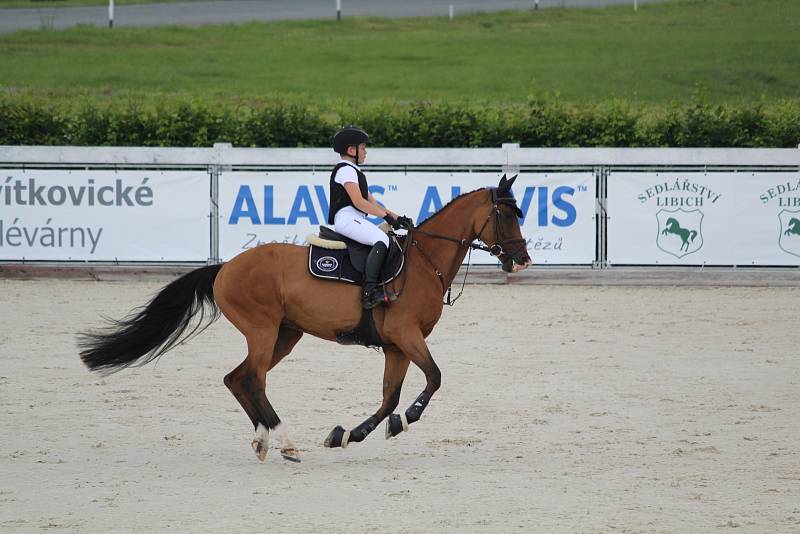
{"x": 291, "y": 454}
{"x": 260, "y": 442}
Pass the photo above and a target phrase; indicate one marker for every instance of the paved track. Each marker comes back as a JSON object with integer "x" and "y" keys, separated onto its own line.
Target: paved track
{"x": 240, "y": 11}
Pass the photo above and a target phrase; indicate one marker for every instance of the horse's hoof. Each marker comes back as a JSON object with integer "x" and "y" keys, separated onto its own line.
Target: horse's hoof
{"x": 260, "y": 449}
{"x": 334, "y": 439}
{"x": 291, "y": 454}
{"x": 394, "y": 425}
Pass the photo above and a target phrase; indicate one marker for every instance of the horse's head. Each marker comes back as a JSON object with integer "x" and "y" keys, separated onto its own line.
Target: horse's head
{"x": 500, "y": 229}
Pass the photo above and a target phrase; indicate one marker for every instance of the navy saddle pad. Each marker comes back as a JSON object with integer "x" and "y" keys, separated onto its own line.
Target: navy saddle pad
{"x": 348, "y": 264}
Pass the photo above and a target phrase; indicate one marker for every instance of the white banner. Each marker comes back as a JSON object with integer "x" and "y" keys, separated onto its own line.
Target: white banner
{"x": 265, "y": 207}
{"x": 695, "y": 218}
{"x": 104, "y": 215}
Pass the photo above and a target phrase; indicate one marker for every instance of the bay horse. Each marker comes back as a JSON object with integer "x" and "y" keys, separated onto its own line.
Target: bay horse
{"x": 268, "y": 294}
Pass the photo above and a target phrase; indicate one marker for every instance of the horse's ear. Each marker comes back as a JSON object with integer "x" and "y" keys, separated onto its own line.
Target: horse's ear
{"x": 504, "y": 185}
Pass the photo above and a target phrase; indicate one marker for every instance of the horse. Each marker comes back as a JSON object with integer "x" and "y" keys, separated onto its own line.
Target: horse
{"x": 687, "y": 236}
{"x": 268, "y": 294}
{"x": 794, "y": 227}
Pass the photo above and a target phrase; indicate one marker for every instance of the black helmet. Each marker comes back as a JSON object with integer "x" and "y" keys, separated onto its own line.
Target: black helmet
{"x": 349, "y": 136}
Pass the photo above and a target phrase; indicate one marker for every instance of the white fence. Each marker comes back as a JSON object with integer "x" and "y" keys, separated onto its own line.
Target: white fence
{"x": 593, "y": 207}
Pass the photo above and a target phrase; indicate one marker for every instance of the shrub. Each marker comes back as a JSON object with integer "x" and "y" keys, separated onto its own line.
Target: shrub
{"x": 543, "y": 121}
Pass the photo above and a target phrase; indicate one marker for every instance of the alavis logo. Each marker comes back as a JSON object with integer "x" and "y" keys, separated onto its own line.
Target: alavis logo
{"x": 789, "y": 239}
{"x": 679, "y": 231}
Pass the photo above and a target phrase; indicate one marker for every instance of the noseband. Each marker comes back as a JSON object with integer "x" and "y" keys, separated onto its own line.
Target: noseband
{"x": 502, "y": 244}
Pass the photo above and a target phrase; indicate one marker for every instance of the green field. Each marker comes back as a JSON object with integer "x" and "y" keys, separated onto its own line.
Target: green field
{"x": 731, "y": 51}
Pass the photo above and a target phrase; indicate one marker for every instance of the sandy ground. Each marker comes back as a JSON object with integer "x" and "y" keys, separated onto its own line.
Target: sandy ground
{"x": 562, "y": 409}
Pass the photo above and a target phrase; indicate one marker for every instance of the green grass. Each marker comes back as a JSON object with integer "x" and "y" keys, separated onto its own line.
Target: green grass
{"x": 729, "y": 50}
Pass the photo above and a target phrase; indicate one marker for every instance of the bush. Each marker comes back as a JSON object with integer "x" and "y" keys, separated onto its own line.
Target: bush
{"x": 543, "y": 121}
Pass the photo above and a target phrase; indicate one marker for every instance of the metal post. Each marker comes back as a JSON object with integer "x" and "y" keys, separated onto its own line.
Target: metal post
{"x": 214, "y": 214}
{"x": 451, "y": 11}
{"x": 604, "y": 172}
{"x": 338, "y": 9}
{"x": 110, "y": 13}
{"x": 216, "y": 170}
{"x": 635, "y": 5}
{"x": 601, "y": 219}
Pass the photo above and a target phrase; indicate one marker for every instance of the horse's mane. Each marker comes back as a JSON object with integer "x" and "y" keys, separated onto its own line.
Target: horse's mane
{"x": 453, "y": 201}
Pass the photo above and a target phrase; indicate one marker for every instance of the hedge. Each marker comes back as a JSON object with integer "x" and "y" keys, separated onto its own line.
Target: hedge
{"x": 541, "y": 122}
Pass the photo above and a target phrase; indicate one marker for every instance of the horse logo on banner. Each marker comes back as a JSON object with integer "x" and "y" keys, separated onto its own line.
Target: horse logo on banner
{"x": 679, "y": 231}
{"x": 789, "y": 239}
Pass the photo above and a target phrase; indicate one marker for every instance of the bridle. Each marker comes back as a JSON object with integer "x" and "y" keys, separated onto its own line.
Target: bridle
{"x": 501, "y": 247}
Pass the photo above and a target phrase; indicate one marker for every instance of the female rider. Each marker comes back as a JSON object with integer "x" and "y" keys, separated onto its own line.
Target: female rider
{"x": 351, "y": 203}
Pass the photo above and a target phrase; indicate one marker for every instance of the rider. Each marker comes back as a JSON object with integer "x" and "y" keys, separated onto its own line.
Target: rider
{"x": 351, "y": 202}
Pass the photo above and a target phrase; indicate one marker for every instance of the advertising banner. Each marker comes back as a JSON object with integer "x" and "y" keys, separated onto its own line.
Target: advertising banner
{"x": 104, "y": 215}
{"x": 284, "y": 207}
{"x": 696, "y": 218}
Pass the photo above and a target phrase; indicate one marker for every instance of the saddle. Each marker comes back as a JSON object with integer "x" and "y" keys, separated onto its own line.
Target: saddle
{"x": 335, "y": 257}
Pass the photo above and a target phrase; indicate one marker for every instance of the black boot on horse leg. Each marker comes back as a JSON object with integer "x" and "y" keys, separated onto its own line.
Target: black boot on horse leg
{"x": 375, "y": 295}
{"x": 339, "y": 437}
{"x": 399, "y": 423}
{"x": 417, "y": 351}
{"x": 394, "y": 373}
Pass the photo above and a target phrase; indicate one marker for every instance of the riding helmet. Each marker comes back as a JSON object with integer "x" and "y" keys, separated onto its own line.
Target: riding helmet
{"x": 349, "y": 136}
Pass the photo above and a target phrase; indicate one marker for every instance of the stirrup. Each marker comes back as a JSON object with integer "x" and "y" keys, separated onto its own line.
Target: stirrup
{"x": 376, "y": 297}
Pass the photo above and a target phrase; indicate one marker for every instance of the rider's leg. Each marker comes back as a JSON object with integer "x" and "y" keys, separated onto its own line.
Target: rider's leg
{"x": 363, "y": 231}
{"x": 372, "y": 295}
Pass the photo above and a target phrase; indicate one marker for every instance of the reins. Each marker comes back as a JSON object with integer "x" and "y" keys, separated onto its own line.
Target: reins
{"x": 495, "y": 250}
{"x": 472, "y": 244}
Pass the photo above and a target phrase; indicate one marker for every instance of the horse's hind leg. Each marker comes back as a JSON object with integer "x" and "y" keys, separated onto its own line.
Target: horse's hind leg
{"x": 248, "y": 382}
{"x": 394, "y": 372}
{"x": 287, "y": 339}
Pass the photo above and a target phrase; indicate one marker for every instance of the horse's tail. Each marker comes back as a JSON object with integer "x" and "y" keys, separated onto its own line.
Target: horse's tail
{"x": 692, "y": 235}
{"x": 152, "y": 330}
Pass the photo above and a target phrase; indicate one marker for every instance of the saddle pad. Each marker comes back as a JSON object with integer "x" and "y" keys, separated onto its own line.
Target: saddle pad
{"x": 336, "y": 265}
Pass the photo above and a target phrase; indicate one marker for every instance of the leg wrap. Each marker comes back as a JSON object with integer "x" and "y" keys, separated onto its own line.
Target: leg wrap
{"x": 414, "y": 411}
{"x": 364, "y": 429}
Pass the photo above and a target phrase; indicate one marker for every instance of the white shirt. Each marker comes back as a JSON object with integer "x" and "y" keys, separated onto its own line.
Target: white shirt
{"x": 346, "y": 174}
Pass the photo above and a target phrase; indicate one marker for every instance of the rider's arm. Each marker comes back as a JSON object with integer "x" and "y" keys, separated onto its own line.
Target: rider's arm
{"x": 367, "y": 206}
{"x": 390, "y": 212}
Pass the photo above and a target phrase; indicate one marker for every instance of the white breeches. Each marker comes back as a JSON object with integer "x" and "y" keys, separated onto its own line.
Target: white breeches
{"x": 358, "y": 228}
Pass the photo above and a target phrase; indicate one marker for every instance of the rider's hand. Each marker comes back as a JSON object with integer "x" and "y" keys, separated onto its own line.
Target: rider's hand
{"x": 391, "y": 221}
{"x": 405, "y": 222}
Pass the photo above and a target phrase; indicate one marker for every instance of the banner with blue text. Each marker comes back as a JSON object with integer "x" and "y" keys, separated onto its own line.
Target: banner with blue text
{"x": 284, "y": 207}
{"x": 696, "y": 218}
{"x": 104, "y": 215}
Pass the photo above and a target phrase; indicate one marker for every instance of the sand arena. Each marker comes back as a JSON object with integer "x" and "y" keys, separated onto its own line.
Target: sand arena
{"x": 562, "y": 409}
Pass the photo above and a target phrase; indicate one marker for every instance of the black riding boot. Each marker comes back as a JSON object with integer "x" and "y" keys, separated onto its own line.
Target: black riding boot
{"x": 373, "y": 294}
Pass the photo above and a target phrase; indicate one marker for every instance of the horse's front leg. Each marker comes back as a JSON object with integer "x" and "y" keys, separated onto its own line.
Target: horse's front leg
{"x": 394, "y": 372}
{"x": 415, "y": 348}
